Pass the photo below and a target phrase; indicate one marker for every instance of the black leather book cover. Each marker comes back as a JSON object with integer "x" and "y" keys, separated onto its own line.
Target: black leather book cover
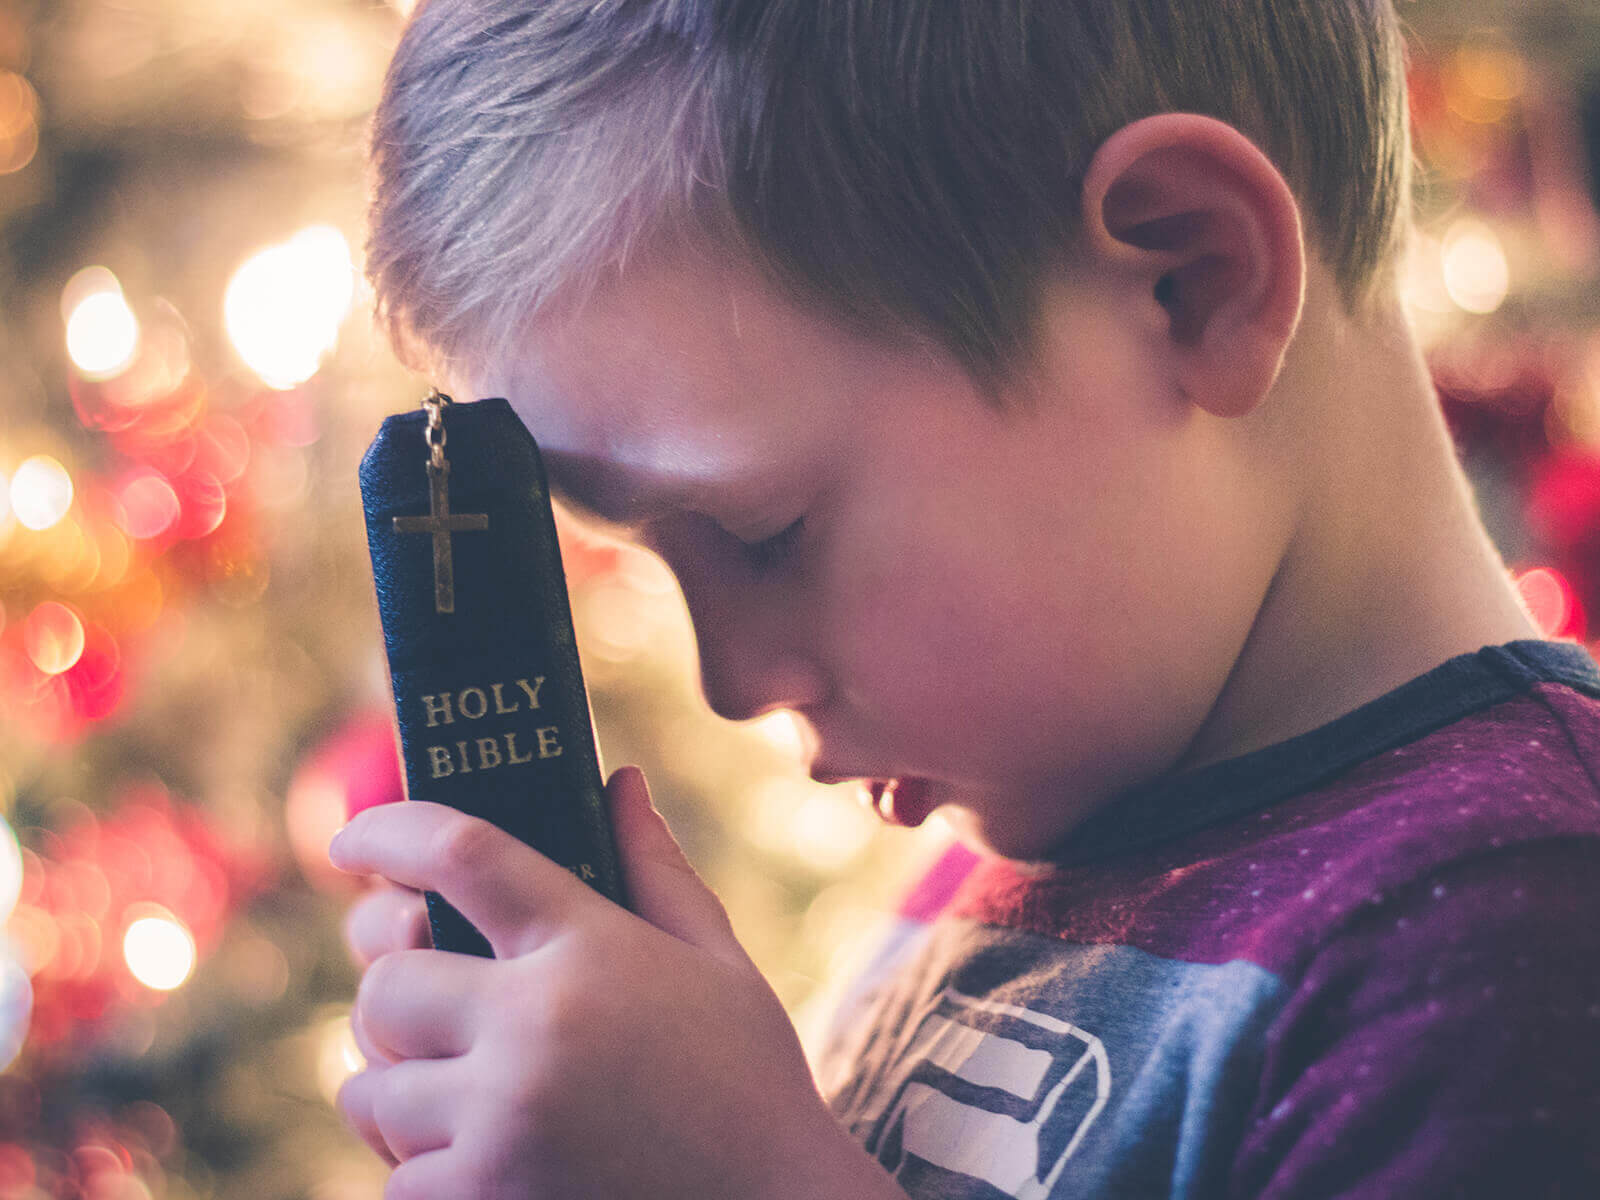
{"x": 489, "y": 698}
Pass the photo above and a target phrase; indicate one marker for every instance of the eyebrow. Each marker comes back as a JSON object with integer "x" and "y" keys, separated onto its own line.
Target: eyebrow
{"x": 603, "y": 499}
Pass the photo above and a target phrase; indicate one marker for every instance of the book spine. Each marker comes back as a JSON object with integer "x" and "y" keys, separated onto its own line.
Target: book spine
{"x": 490, "y": 703}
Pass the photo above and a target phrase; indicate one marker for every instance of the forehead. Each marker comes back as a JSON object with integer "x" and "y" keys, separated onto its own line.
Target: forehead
{"x": 683, "y": 381}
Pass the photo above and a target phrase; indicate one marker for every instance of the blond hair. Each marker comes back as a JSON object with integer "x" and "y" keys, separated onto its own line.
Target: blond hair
{"x": 904, "y": 165}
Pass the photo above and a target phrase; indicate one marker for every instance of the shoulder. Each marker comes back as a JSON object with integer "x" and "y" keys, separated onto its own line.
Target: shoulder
{"x": 1445, "y": 1040}
{"x": 1270, "y": 884}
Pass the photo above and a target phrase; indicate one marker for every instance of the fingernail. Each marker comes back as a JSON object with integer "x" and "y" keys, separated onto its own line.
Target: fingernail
{"x": 335, "y": 855}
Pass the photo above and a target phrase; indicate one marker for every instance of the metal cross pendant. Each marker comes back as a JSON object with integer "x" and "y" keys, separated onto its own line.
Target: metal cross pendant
{"x": 441, "y": 523}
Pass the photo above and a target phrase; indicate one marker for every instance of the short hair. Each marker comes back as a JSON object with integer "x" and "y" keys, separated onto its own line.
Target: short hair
{"x": 906, "y": 166}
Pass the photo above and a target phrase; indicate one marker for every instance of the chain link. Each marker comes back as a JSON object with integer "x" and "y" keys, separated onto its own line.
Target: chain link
{"x": 435, "y": 402}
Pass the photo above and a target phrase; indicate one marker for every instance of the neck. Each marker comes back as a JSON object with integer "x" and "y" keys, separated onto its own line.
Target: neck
{"x": 1336, "y": 630}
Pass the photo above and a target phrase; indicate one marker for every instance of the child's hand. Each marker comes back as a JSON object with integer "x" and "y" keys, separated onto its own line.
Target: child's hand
{"x": 601, "y": 1053}
{"x": 386, "y": 919}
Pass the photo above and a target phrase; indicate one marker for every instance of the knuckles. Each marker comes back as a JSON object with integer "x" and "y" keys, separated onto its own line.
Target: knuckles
{"x": 384, "y": 977}
{"x": 461, "y": 845}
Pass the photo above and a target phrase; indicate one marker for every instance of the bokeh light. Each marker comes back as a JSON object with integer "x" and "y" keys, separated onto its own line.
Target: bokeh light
{"x": 204, "y": 503}
{"x": 16, "y": 1005}
{"x": 160, "y": 951}
{"x": 147, "y": 505}
{"x": 41, "y": 492}
{"x": 284, "y": 305}
{"x": 1422, "y": 277}
{"x": 95, "y": 681}
{"x": 1483, "y": 78}
{"x": 1550, "y": 601}
{"x": 338, "y": 1055}
{"x": 823, "y": 829}
{"x": 1477, "y": 273}
{"x": 10, "y": 870}
{"x": 19, "y": 122}
{"x": 102, "y": 333}
{"x": 53, "y": 637}
{"x": 786, "y": 732}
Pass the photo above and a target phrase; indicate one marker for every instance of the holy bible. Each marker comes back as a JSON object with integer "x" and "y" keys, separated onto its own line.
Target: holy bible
{"x": 489, "y": 697}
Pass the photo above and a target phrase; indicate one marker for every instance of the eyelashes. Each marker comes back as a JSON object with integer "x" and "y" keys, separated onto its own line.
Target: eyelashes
{"x": 773, "y": 552}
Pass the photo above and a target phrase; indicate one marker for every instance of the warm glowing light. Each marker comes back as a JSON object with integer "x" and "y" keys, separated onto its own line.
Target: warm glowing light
{"x": 1477, "y": 273}
{"x": 314, "y": 811}
{"x": 115, "y": 557}
{"x": 5, "y": 499}
{"x": 53, "y": 637}
{"x": 621, "y": 623}
{"x": 90, "y": 281}
{"x": 223, "y": 447}
{"x": 102, "y": 334}
{"x": 1422, "y": 277}
{"x": 830, "y": 829}
{"x": 95, "y": 682}
{"x": 823, "y": 828}
{"x": 284, "y": 305}
{"x": 1549, "y": 599}
{"x": 147, "y": 506}
{"x": 784, "y": 732}
{"x": 10, "y": 870}
{"x": 204, "y": 504}
{"x": 160, "y": 952}
{"x": 41, "y": 492}
{"x": 140, "y": 600}
{"x": 1483, "y": 79}
{"x": 338, "y": 1056}
{"x": 1575, "y": 412}
{"x": 19, "y": 122}
{"x": 16, "y": 1007}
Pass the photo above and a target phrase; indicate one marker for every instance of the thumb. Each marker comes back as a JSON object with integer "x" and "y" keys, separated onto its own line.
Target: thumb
{"x": 662, "y": 887}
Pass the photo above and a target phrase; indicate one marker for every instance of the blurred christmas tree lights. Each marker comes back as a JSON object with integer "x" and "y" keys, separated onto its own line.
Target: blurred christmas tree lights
{"x": 190, "y": 674}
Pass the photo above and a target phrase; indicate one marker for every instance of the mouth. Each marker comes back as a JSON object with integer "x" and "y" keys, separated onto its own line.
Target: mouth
{"x": 905, "y": 802}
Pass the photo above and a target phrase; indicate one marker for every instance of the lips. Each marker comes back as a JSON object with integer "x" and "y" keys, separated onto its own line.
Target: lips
{"x": 906, "y": 802}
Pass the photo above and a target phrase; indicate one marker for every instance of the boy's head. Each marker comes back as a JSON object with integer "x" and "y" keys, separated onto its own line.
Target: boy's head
{"x": 928, "y": 359}
{"x": 908, "y": 166}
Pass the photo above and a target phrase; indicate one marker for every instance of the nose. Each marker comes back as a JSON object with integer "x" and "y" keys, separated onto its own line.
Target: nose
{"x": 739, "y": 686}
{"x": 751, "y": 662}
{"x": 755, "y": 639}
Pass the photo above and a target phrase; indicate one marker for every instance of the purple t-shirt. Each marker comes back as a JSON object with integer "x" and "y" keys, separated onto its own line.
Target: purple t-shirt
{"x": 1361, "y": 963}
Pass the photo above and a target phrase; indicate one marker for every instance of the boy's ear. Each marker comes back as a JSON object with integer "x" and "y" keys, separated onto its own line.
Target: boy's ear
{"x": 1199, "y": 219}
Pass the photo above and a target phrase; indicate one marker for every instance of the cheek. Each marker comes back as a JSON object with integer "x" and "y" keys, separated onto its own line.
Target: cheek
{"x": 1003, "y": 652}
{"x": 941, "y": 648}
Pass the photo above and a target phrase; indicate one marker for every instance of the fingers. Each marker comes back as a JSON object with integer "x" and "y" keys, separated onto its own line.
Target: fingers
{"x": 426, "y": 1177}
{"x": 372, "y": 1053}
{"x": 513, "y": 894}
{"x": 663, "y": 887}
{"x": 355, "y": 1101}
{"x": 419, "y": 1004}
{"x": 404, "y": 1110}
{"x": 386, "y": 919}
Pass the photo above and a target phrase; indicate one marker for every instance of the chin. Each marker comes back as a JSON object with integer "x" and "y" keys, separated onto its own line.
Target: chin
{"x": 990, "y": 838}
{"x": 1008, "y": 834}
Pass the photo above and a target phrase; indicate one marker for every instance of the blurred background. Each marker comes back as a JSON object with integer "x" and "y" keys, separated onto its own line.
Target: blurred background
{"x": 192, "y": 689}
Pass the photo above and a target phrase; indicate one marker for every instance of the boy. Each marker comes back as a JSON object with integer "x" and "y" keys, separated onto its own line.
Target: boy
{"x": 1020, "y": 393}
